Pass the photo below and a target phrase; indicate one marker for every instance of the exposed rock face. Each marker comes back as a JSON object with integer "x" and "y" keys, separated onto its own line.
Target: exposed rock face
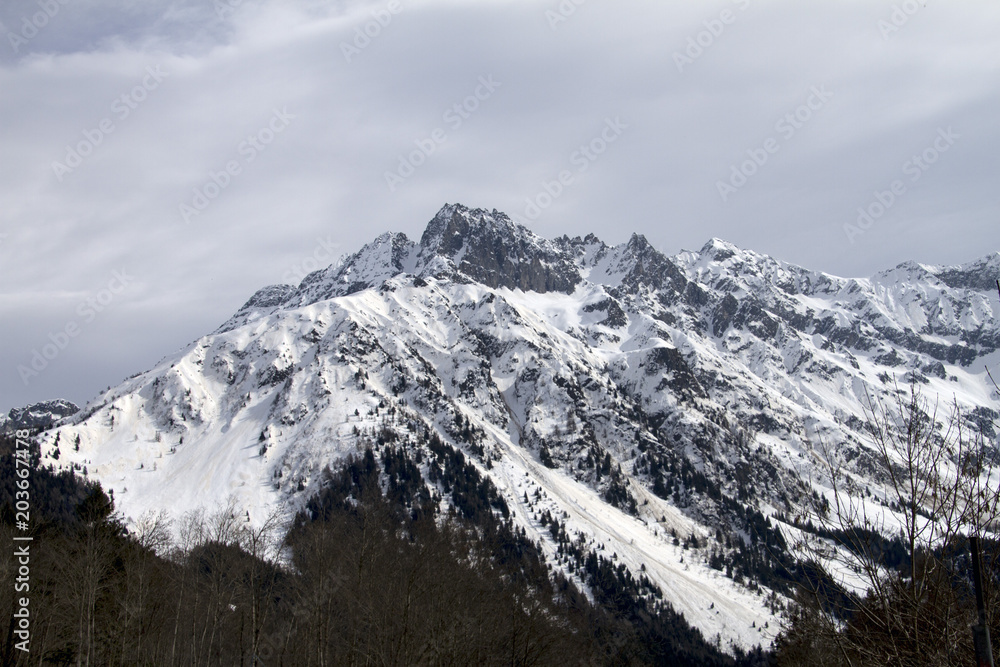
{"x": 492, "y": 250}
{"x": 39, "y": 416}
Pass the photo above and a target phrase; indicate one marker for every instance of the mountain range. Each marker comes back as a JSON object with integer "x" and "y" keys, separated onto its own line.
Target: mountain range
{"x": 668, "y": 413}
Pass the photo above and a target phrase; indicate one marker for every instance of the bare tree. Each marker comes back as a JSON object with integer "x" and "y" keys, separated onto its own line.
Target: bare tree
{"x": 150, "y": 536}
{"x": 899, "y": 552}
{"x": 261, "y": 544}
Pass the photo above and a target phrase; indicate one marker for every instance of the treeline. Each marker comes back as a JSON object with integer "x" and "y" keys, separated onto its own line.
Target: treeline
{"x": 373, "y": 571}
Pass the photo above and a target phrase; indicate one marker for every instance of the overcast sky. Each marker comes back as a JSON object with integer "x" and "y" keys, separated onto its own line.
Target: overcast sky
{"x": 163, "y": 160}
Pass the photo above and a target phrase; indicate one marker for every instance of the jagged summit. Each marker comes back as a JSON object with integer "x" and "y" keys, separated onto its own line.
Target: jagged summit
{"x": 449, "y": 229}
{"x": 489, "y": 248}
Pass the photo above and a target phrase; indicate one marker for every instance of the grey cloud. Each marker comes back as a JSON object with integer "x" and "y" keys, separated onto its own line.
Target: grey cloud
{"x": 324, "y": 175}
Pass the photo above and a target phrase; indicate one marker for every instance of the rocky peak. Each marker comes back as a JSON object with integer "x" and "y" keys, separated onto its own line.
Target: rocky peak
{"x": 455, "y": 224}
{"x": 38, "y": 416}
{"x": 650, "y": 267}
{"x": 981, "y": 274}
{"x": 718, "y": 250}
{"x": 490, "y": 248}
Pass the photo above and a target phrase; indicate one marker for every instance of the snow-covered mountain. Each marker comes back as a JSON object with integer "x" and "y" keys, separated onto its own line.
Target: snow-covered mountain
{"x": 659, "y": 411}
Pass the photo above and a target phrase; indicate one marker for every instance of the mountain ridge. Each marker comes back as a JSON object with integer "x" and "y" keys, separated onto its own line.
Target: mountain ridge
{"x": 448, "y": 234}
